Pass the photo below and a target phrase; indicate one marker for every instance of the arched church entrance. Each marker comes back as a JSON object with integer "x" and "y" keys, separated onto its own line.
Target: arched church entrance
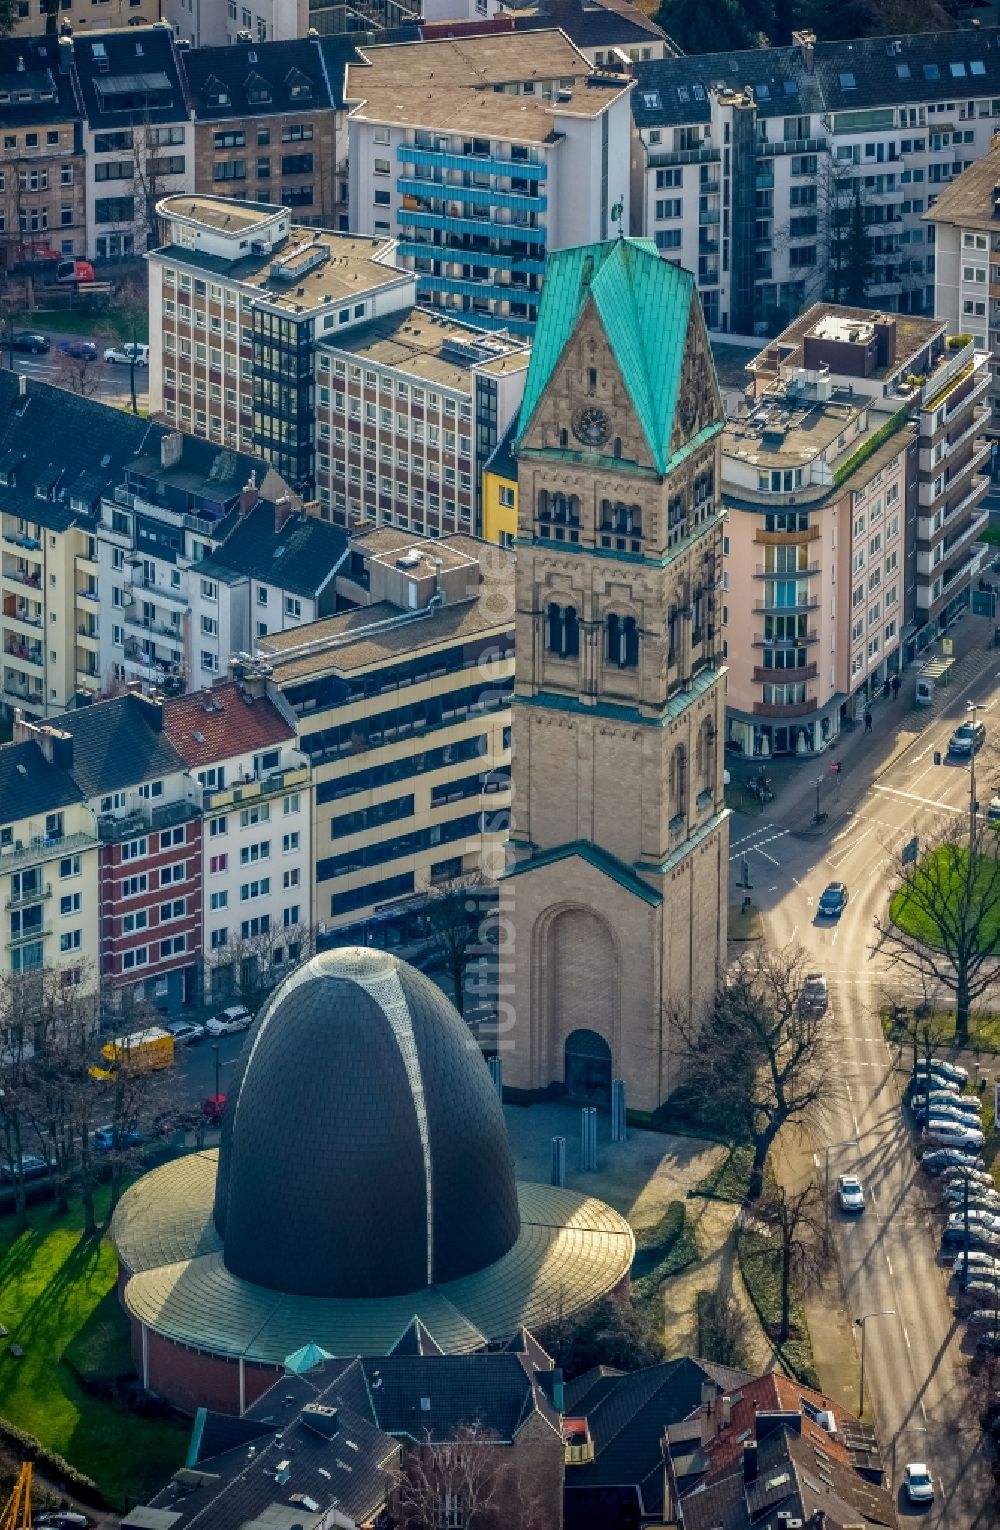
{"x": 588, "y": 1068}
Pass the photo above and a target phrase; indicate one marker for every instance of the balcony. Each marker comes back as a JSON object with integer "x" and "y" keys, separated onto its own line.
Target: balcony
{"x": 711, "y": 188}
{"x": 39, "y": 932}
{"x": 274, "y": 784}
{"x": 29, "y": 581}
{"x": 483, "y": 196}
{"x": 785, "y": 708}
{"x": 27, "y": 544}
{"x": 89, "y": 594}
{"x": 786, "y": 645}
{"x": 768, "y": 676}
{"x": 37, "y": 895}
{"x": 158, "y": 629}
{"x": 162, "y": 591}
{"x": 762, "y": 608}
{"x": 144, "y": 821}
{"x": 443, "y": 159}
{"x": 762, "y": 572}
{"x": 21, "y": 653}
{"x": 14, "y": 612}
{"x": 88, "y": 633}
{"x": 785, "y": 538}
{"x": 147, "y": 667}
{"x": 41, "y": 848}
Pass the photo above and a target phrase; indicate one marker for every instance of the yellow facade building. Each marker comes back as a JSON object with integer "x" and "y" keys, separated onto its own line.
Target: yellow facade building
{"x": 500, "y": 493}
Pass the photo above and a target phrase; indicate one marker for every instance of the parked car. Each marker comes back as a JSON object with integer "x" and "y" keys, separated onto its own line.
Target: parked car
{"x": 61, "y": 1519}
{"x": 980, "y": 1264}
{"x": 103, "y": 1139}
{"x": 953, "y": 1134}
{"x": 938, "y": 1160}
{"x": 974, "y": 1177}
{"x": 970, "y": 1104}
{"x": 967, "y": 740}
{"x": 815, "y": 995}
{"x": 993, "y": 811}
{"x": 123, "y": 354}
{"x": 832, "y": 900}
{"x": 979, "y": 1195}
{"x": 33, "y": 1166}
{"x": 979, "y": 1238}
{"x": 78, "y": 349}
{"x": 236, "y": 1018}
{"x": 948, "y": 1070}
{"x": 949, "y": 1113}
{"x": 987, "y": 1220}
{"x": 983, "y": 1292}
{"x": 918, "y": 1483}
{"x": 185, "y": 1031}
{"x": 29, "y": 341}
{"x": 850, "y": 1193}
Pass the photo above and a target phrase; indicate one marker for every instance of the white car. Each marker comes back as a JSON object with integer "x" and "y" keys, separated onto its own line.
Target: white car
{"x": 974, "y": 1176}
{"x": 981, "y": 1264}
{"x": 918, "y": 1483}
{"x": 953, "y": 1134}
{"x": 950, "y": 1070}
{"x": 985, "y": 1317}
{"x": 954, "y": 1114}
{"x": 984, "y": 1221}
{"x": 123, "y": 355}
{"x": 993, "y": 811}
{"x": 228, "y": 1021}
{"x": 185, "y": 1031}
{"x": 849, "y": 1193}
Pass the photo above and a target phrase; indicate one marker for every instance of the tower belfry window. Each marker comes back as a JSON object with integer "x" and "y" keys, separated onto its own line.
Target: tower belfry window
{"x": 563, "y": 631}
{"x": 592, "y": 380}
{"x": 623, "y": 641}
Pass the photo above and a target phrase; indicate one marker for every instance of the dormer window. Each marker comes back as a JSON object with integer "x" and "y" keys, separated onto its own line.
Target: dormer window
{"x": 258, "y": 90}
{"x": 216, "y": 93}
{"x": 299, "y": 85}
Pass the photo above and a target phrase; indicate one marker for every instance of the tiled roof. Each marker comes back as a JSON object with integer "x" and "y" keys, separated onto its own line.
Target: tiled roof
{"x": 845, "y": 76}
{"x": 969, "y": 201}
{"x": 115, "y": 745}
{"x": 208, "y": 726}
{"x": 76, "y": 446}
{"x": 32, "y": 63}
{"x": 30, "y": 786}
{"x": 301, "y": 558}
{"x": 645, "y": 308}
{"x": 593, "y": 26}
{"x": 772, "y": 1393}
{"x": 292, "y": 72}
{"x": 133, "y": 63}
{"x": 431, "y": 1396}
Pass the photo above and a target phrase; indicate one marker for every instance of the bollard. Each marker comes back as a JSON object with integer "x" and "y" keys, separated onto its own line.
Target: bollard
{"x": 588, "y": 1138}
{"x": 619, "y": 1131}
{"x": 496, "y": 1074}
{"x": 559, "y": 1162}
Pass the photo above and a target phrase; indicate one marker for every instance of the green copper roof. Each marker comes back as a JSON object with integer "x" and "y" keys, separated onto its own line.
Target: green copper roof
{"x": 306, "y": 1358}
{"x": 644, "y": 304}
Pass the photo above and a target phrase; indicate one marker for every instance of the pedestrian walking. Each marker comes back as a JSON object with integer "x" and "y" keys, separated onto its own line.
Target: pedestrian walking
{"x": 895, "y": 686}
{"x": 868, "y": 721}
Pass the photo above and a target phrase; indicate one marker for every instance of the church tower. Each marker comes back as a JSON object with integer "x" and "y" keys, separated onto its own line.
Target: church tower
{"x": 617, "y": 891}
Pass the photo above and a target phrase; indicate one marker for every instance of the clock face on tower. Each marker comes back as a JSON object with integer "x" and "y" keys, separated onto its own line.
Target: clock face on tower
{"x": 591, "y": 426}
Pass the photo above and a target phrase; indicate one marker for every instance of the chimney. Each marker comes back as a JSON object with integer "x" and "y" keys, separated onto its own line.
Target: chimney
{"x": 249, "y": 495}
{"x": 727, "y": 1411}
{"x": 20, "y": 63}
{"x": 806, "y": 44}
{"x": 284, "y": 508}
{"x": 152, "y": 710}
{"x": 749, "y": 1462}
{"x": 885, "y": 339}
{"x": 558, "y": 1389}
{"x": 171, "y": 447}
{"x": 709, "y": 1412}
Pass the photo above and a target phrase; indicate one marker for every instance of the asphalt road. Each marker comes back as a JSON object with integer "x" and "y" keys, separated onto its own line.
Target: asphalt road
{"x": 106, "y": 381}
{"x": 916, "y": 1358}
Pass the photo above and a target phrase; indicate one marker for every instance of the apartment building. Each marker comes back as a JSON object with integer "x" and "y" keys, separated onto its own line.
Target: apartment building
{"x": 408, "y": 409}
{"x": 500, "y": 491}
{"x": 403, "y": 712}
{"x": 173, "y": 504}
{"x": 605, "y": 34}
{"x": 265, "y": 118}
{"x": 482, "y": 153}
{"x": 48, "y": 865}
{"x": 138, "y": 134}
{"x": 253, "y": 784}
{"x": 853, "y": 484}
{"x": 31, "y": 16}
{"x": 42, "y": 172}
{"x": 60, "y": 454}
{"x": 140, "y": 794}
{"x": 966, "y": 228}
{"x": 743, "y": 164}
{"x": 276, "y": 571}
{"x": 239, "y": 296}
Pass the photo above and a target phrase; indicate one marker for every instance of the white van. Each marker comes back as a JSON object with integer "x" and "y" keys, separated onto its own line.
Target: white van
{"x": 124, "y": 354}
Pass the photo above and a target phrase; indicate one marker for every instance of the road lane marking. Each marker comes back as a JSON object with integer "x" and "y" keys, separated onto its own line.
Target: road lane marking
{"x": 906, "y": 1336}
{"x": 923, "y": 1410}
{"x": 942, "y": 807}
{"x": 889, "y": 1263}
{"x": 795, "y": 931}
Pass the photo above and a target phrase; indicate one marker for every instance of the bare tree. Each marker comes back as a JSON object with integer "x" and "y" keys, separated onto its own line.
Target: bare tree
{"x": 943, "y": 923}
{"x": 761, "y": 1059}
{"x": 797, "y": 1220}
{"x": 60, "y": 1093}
{"x": 250, "y": 967}
{"x": 723, "y": 1329}
{"x": 454, "y": 928}
{"x": 18, "y": 1006}
{"x": 80, "y": 374}
{"x": 918, "y": 1026}
{"x": 469, "y": 1479}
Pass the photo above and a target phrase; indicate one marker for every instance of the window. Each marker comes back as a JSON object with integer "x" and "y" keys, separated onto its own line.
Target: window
{"x": 69, "y": 866}
{"x": 133, "y": 922}
{"x": 132, "y": 887}
{"x": 262, "y": 594}
{"x": 291, "y": 915}
{"x": 259, "y": 813}
{"x": 293, "y": 606}
{"x": 70, "y": 941}
{"x": 218, "y": 826}
{"x": 175, "y": 946}
{"x": 291, "y": 803}
{"x": 150, "y": 789}
{"x": 175, "y": 909}
{"x": 291, "y": 878}
{"x": 256, "y": 889}
{"x": 260, "y": 851}
{"x": 289, "y": 842}
{"x": 70, "y": 904}
{"x": 171, "y": 837}
{"x": 138, "y": 957}
{"x": 219, "y": 938}
{"x": 134, "y": 849}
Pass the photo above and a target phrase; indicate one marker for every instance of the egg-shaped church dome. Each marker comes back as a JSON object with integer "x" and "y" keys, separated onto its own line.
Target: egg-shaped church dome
{"x": 363, "y": 1150}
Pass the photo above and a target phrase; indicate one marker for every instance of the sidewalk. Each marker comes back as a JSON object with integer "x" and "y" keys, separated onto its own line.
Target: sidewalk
{"x": 834, "y": 1350}
{"x": 865, "y": 757}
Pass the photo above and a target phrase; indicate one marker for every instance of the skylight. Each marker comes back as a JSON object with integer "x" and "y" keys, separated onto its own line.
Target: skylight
{"x": 847, "y": 81}
{"x": 763, "y": 92}
{"x": 698, "y": 91}
{"x": 931, "y": 72}
{"x": 791, "y": 87}
{"x": 651, "y": 100}
{"x": 977, "y": 66}
{"x": 957, "y": 71}
{"x": 682, "y": 93}
{"x": 902, "y": 71}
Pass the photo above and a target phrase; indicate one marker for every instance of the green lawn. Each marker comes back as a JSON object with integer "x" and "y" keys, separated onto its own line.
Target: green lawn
{"x": 729, "y": 1180}
{"x": 760, "y": 1266}
{"x": 54, "y": 1297}
{"x": 83, "y": 321}
{"x": 919, "y": 922}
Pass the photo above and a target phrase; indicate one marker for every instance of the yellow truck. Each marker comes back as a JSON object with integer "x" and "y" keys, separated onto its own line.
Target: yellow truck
{"x": 142, "y": 1052}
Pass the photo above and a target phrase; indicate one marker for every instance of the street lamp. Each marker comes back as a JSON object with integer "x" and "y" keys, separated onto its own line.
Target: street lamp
{"x": 860, "y": 1323}
{"x": 215, "y": 1049}
{"x": 851, "y": 1142}
{"x": 973, "y": 708}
